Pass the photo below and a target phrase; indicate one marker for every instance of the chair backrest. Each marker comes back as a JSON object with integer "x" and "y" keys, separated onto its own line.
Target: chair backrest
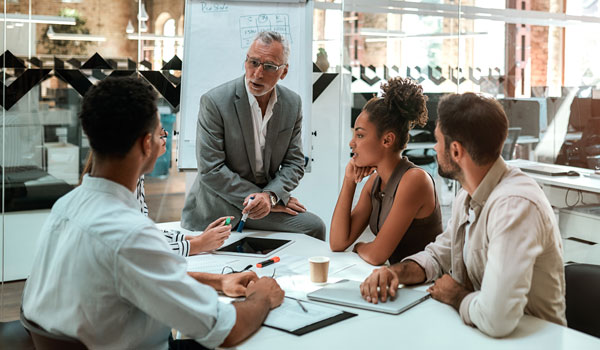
{"x": 583, "y": 290}
{"x": 511, "y": 141}
{"x": 44, "y": 340}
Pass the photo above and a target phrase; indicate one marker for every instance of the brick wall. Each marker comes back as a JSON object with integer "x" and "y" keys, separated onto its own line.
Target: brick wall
{"x": 539, "y": 47}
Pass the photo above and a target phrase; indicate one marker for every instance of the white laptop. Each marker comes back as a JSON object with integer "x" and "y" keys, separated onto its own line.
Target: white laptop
{"x": 347, "y": 293}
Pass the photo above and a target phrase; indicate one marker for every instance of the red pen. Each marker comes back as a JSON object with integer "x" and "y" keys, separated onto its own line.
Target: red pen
{"x": 268, "y": 262}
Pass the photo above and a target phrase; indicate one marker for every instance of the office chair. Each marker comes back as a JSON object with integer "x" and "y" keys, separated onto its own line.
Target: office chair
{"x": 583, "y": 288}
{"x": 44, "y": 340}
{"x": 14, "y": 336}
{"x": 511, "y": 141}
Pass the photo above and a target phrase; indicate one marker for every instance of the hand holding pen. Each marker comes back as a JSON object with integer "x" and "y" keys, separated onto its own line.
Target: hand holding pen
{"x": 212, "y": 238}
{"x": 258, "y": 207}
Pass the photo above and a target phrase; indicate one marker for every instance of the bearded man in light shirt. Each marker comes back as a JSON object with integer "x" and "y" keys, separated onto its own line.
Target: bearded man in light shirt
{"x": 501, "y": 254}
{"x": 249, "y": 145}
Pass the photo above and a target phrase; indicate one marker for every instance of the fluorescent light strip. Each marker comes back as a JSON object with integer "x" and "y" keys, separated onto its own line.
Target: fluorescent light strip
{"x": 379, "y": 32}
{"x": 76, "y": 37}
{"x": 136, "y": 36}
{"x": 22, "y": 18}
{"x": 73, "y": 37}
{"x": 427, "y": 36}
{"x": 515, "y": 16}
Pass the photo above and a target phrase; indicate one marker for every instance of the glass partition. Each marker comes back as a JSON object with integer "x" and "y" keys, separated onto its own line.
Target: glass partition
{"x": 52, "y": 52}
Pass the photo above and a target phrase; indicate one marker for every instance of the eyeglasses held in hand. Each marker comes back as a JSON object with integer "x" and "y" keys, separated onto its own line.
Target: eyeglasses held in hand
{"x": 228, "y": 269}
{"x": 267, "y": 67}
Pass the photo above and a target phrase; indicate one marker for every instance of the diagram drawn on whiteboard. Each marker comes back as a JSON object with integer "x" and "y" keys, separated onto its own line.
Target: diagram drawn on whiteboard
{"x": 250, "y": 26}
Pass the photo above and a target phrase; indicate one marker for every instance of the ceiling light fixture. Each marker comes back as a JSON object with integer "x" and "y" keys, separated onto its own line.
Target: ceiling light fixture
{"x": 22, "y": 18}
{"x": 73, "y": 37}
{"x": 136, "y": 36}
{"x": 129, "y": 28}
{"x": 143, "y": 27}
{"x": 143, "y": 15}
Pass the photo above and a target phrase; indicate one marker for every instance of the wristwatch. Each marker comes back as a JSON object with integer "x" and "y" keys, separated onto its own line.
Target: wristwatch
{"x": 273, "y": 199}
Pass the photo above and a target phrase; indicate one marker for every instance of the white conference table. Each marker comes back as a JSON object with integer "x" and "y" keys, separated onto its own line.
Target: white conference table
{"x": 583, "y": 181}
{"x": 428, "y": 325}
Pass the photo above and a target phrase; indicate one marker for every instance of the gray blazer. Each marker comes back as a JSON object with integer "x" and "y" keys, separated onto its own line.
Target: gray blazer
{"x": 225, "y": 153}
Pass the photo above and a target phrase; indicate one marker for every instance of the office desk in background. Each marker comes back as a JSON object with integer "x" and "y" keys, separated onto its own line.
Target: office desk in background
{"x": 583, "y": 182}
{"x": 429, "y": 325}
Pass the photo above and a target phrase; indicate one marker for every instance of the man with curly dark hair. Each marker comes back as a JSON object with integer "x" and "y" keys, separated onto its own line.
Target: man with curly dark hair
{"x": 501, "y": 254}
{"x": 399, "y": 203}
{"x": 104, "y": 274}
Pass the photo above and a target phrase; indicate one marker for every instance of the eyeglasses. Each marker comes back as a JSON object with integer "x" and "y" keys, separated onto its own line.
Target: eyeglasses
{"x": 228, "y": 269}
{"x": 268, "y": 67}
{"x": 163, "y": 134}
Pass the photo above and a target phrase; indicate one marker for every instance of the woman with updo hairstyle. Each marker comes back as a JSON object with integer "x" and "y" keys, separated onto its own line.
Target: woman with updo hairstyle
{"x": 398, "y": 202}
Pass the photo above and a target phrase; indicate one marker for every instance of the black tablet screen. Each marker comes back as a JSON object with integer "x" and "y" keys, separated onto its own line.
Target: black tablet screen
{"x": 254, "y": 245}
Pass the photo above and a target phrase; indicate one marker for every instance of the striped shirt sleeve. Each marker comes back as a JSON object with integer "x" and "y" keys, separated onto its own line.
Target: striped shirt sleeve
{"x": 181, "y": 247}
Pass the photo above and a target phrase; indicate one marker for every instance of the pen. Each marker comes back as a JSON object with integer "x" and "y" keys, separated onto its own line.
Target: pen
{"x": 268, "y": 262}
{"x": 244, "y": 217}
{"x": 302, "y": 306}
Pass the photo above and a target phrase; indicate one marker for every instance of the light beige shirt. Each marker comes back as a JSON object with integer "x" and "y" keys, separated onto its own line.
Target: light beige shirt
{"x": 513, "y": 258}
{"x": 260, "y": 127}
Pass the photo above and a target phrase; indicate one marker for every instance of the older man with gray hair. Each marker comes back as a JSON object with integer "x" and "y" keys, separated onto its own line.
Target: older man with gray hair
{"x": 249, "y": 148}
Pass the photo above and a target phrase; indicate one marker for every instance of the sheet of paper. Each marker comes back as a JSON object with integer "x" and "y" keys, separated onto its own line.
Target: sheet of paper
{"x": 210, "y": 263}
{"x": 298, "y": 265}
{"x": 290, "y": 316}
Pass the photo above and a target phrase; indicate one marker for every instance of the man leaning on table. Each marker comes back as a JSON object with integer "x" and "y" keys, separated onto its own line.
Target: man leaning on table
{"x": 501, "y": 254}
{"x": 104, "y": 274}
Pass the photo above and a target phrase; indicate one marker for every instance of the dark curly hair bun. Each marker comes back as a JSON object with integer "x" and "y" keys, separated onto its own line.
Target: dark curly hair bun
{"x": 401, "y": 107}
{"x": 404, "y": 98}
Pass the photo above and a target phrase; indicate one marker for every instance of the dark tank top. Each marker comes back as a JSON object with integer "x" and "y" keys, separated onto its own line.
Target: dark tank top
{"x": 420, "y": 232}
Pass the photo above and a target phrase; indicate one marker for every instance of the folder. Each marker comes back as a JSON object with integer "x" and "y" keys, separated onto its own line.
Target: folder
{"x": 292, "y": 318}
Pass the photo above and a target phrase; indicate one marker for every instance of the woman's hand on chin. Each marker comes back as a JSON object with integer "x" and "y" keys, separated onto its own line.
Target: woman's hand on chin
{"x": 356, "y": 173}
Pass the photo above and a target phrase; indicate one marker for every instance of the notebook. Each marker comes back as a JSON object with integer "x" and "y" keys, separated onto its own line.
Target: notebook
{"x": 301, "y": 317}
{"x": 347, "y": 293}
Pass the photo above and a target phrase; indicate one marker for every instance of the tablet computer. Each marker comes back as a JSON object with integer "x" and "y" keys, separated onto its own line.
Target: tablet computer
{"x": 347, "y": 293}
{"x": 254, "y": 246}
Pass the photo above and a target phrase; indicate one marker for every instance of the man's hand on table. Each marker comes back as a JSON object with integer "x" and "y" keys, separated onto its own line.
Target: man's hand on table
{"x": 384, "y": 278}
{"x": 448, "y": 291}
{"x": 236, "y": 284}
{"x": 266, "y": 286}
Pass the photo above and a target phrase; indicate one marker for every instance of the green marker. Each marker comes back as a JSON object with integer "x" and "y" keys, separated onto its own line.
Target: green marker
{"x": 227, "y": 221}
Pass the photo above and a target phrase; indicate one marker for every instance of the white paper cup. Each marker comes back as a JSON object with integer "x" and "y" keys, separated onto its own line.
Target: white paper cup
{"x": 319, "y": 269}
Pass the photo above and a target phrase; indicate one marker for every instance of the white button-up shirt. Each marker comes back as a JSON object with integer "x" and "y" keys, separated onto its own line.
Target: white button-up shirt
{"x": 104, "y": 274}
{"x": 260, "y": 123}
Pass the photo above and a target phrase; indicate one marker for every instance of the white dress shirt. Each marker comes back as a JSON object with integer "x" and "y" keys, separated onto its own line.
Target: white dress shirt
{"x": 260, "y": 123}
{"x": 104, "y": 274}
